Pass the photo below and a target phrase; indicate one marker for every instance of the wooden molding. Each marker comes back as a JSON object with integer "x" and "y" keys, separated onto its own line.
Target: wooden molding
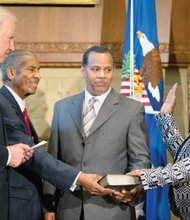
{"x": 52, "y": 2}
{"x": 69, "y": 54}
{"x": 176, "y": 54}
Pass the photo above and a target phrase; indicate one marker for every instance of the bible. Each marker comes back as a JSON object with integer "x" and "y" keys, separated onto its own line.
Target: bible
{"x": 115, "y": 181}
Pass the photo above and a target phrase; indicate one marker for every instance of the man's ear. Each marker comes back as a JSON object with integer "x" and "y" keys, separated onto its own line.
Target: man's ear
{"x": 10, "y": 73}
{"x": 83, "y": 72}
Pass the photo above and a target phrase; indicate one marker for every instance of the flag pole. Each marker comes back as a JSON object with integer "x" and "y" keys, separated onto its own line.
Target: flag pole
{"x": 132, "y": 52}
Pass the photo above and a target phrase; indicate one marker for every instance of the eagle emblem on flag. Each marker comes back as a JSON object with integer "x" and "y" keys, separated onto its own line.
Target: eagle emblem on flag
{"x": 147, "y": 86}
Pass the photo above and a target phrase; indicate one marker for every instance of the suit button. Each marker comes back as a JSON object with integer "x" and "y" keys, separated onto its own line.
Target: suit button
{"x": 83, "y": 144}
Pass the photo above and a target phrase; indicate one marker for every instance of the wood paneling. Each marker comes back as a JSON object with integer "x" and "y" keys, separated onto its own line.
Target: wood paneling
{"x": 51, "y": 2}
{"x": 60, "y": 34}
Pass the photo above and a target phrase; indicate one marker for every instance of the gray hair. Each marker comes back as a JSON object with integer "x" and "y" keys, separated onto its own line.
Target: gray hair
{"x": 96, "y": 49}
{"x": 4, "y": 14}
{"x": 15, "y": 60}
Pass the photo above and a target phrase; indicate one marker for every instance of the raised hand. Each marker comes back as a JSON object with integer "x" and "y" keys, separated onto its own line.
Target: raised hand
{"x": 170, "y": 102}
{"x": 90, "y": 183}
{"x": 19, "y": 153}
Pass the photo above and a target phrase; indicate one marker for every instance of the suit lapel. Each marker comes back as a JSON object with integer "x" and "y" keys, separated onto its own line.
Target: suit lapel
{"x": 108, "y": 108}
{"x": 76, "y": 112}
{"x": 11, "y": 101}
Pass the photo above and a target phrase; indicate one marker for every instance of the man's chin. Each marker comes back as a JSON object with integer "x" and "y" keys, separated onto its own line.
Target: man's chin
{"x": 101, "y": 91}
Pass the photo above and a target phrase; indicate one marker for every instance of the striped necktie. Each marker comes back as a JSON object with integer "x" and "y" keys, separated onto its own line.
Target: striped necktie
{"x": 27, "y": 122}
{"x": 89, "y": 117}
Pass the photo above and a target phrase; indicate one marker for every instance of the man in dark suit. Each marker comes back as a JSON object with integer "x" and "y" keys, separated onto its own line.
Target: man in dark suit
{"x": 116, "y": 141}
{"x": 20, "y": 75}
{"x": 13, "y": 155}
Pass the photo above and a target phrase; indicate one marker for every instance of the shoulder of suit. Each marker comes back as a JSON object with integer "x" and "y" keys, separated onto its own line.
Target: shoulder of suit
{"x": 3, "y": 100}
{"x": 68, "y": 99}
{"x": 130, "y": 100}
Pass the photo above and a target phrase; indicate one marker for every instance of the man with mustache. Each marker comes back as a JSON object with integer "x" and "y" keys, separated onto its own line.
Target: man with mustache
{"x": 98, "y": 131}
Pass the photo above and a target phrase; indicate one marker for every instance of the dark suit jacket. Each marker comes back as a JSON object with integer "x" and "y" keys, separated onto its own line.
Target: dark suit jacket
{"x": 117, "y": 144}
{"x": 25, "y": 184}
{"x": 3, "y": 172}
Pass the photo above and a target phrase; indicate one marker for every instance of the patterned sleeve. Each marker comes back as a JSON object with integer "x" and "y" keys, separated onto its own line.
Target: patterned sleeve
{"x": 170, "y": 133}
{"x": 172, "y": 174}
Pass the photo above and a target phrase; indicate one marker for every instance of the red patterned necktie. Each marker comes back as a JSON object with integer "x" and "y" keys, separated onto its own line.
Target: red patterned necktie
{"x": 26, "y": 119}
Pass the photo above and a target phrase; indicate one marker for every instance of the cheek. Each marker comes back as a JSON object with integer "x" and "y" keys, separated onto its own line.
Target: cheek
{"x": 83, "y": 75}
{"x": 92, "y": 78}
{"x": 22, "y": 83}
{"x": 5, "y": 45}
{"x": 110, "y": 79}
{"x": 3, "y": 49}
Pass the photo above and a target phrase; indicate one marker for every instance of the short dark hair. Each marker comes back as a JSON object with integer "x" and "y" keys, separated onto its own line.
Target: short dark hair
{"x": 96, "y": 49}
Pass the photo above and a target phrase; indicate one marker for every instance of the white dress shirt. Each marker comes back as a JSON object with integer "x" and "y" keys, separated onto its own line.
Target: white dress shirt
{"x": 100, "y": 100}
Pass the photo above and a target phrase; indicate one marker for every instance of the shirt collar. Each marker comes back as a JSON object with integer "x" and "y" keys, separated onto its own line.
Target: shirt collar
{"x": 100, "y": 98}
{"x": 20, "y": 101}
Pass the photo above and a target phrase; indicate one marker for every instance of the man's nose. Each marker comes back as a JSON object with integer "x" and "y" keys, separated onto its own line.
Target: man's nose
{"x": 101, "y": 73}
{"x": 37, "y": 74}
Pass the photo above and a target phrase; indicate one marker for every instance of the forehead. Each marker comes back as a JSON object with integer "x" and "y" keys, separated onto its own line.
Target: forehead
{"x": 30, "y": 61}
{"x": 100, "y": 59}
{"x": 7, "y": 26}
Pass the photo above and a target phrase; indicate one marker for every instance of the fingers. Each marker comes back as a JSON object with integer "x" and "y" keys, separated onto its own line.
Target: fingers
{"x": 28, "y": 153}
{"x": 172, "y": 92}
{"x": 174, "y": 87}
{"x": 121, "y": 196}
{"x": 136, "y": 172}
{"x": 23, "y": 146}
{"x": 95, "y": 189}
{"x": 170, "y": 101}
{"x": 18, "y": 154}
{"x": 90, "y": 183}
{"x": 124, "y": 195}
{"x": 101, "y": 191}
